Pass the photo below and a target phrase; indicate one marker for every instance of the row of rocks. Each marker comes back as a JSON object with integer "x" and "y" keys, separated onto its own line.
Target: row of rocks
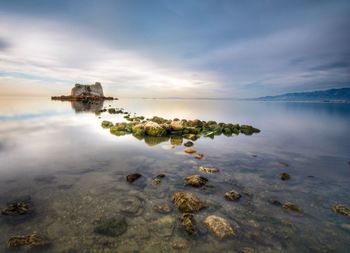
{"x": 188, "y": 129}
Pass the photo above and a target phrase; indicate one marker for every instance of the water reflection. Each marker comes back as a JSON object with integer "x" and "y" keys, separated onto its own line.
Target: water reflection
{"x": 87, "y": 106}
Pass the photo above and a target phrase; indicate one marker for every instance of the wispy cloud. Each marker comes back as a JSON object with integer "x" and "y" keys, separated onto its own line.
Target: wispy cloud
{"x": 56, "y": 54}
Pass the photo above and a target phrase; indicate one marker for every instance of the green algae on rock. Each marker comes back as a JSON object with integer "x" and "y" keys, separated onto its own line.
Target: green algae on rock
{"x": 187, "y": 202}
{"x": 29, "y": 242}
{"x": 341, "y": 209}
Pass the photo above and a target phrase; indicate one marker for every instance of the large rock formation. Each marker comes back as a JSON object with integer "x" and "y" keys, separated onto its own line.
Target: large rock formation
{"x": 87, "y": 90}
{"x": 81, "y": 92}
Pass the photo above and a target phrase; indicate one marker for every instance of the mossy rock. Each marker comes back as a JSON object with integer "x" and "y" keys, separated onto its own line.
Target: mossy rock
{"x": 187, "y": 202}
{"x": 154, "y": 129}
{"x": 227, "y": 131}
{"x": 106, "y": 124}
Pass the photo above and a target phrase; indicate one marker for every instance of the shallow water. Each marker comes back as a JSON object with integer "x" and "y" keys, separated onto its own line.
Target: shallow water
{"x": 58, "y": 155}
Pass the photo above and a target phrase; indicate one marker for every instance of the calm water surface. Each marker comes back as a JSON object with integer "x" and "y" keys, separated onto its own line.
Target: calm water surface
{"x": 57, "y": 155}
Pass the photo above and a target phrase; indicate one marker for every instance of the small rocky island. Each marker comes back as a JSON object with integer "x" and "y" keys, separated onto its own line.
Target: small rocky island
{"x": 81, "y": 92}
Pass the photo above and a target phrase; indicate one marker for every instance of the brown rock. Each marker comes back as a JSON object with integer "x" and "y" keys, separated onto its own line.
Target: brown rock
{"x": 292, "y": 207}
{"x": 190, "y": 150}
{"x": 187, "y": 202}
{"x": 220, "y": 227}
{"x": 232, "y": 195}
{"x": 132, "y": 177}
{"x": 341, "y": 209}
{"x": 208, "y": 170}
{"x": 188, "y": 223}
{"x": 196, "y": 180}
{"x": 285, "y": 176}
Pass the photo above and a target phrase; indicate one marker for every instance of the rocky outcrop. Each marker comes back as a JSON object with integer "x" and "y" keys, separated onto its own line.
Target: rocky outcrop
{"x": 81, "y": 92}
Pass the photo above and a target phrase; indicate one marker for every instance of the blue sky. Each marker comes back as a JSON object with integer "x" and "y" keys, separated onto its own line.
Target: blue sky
{"x": 174, "y": 48}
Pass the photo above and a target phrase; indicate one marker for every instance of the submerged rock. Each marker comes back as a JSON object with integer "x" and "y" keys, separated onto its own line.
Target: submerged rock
{"x": 199, "y": 156}
{"x": 275, "y": 202}
{"x": 17, "y": 208}
{"x": 209, "y": 170}
{"x": 164, "y": 226}
{"x": 232, "y": 195}
{"x": 132, "y": 206}
{"x": 220, "y": 227}
{"x": 196, "y": 180}
{"x": 179, "y": 243}
{"x": 190, "y": 150}
{"x": 285, "y": 176}
{"x": 188, "y": 223}
{"x": 341, "y": 209}
{"x": 162, "y": 208}
{"x": 187, "y": 202}
{"x": 292, "y": 207}
{"x": 29, "y": 242}
{"x": 132, "y": 177}
{"x": 188, "y": 144}
{"x": 112, "y": 227}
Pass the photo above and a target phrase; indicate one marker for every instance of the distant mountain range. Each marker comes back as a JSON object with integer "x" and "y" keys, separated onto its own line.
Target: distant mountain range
{"x": 332, "y": 95}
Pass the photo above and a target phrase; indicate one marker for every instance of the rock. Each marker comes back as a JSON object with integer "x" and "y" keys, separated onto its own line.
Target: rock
{"x": 132, "y": 206}
{"x": 248, "y": 130}
{"x": 28, "y": 242}
{"x": 162, "y": 208}
{"x": 112, "y": 227}
{"x": 232, "y": 195}
{"x": 179, "y": 243}
{"x": 220, "y": 227}
{"x": 156, "y": 181}
{"x": 132, "y": 177}
{"x": 187, "y": 202}
{"x": 176, "y": 125}
{"x": 188, "y": 223}
{"x": 106, "y": 124}
{"x": 17, "y": 208}
{"x": 208, "y": 170}
{"x": 188, "y": 144}
{"x": 292, "y": 207}
{"x": 196, "y": 180}
{"x": 285, "y": 176}
{"x": 198, "y": 156}
{"x": 190, "y": 150}
{"x": 341, "y": 209}
{"x": 160, "y": 176}
{"x": 275, "y": 202}
{"x": 210, "y": 135}
{"x": 93, "y": 90}
{"x": 154, "y": 129}
{"x": 164, "y": 226}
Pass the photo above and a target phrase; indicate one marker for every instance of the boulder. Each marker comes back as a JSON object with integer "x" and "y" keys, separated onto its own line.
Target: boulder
{"x": 93, "y": 90}
{"x": 342, "y": 209}
{"x": 176, "y": 125}
{"x": 209, "y": 170}
{"x": 196, "y": 180}
{"x": 187, "y": 202}
{"x": 232, "y": 195}
{"x": 188, "y": 223}
{"x": 154, "y": 129}
{"x": 220, "y": 227}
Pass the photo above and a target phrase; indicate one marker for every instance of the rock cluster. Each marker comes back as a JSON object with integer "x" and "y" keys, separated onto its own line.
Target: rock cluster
{"x": 187, "y": 129}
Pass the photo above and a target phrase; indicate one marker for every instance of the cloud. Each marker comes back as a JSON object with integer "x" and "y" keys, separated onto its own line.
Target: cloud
{"x": 58, "y": 54}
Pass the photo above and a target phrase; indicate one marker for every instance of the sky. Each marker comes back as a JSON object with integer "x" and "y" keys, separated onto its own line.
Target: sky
{"x": 174, "y": 48}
